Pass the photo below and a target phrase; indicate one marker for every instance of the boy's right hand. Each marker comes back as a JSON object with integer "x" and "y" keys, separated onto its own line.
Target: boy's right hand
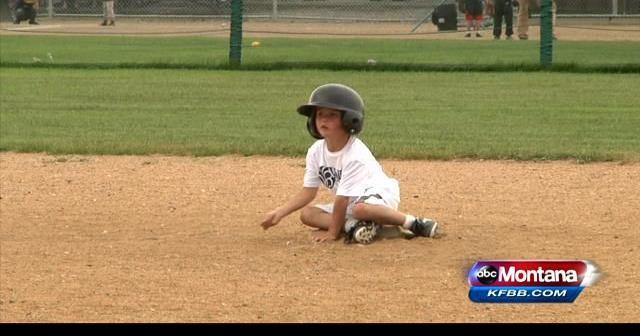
{"x": 272, "y": 218}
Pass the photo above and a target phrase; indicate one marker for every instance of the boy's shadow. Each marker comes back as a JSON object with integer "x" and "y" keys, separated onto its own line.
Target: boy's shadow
{"x": 394, "y": 232}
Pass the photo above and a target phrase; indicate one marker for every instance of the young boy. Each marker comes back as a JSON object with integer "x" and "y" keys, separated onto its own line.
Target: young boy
{"x": 365, "y": 197}
{"x": 473, "y": 15}
{"x": 108, "y": 13}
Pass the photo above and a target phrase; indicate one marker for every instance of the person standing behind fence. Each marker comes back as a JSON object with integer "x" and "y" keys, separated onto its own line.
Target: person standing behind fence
{"x": 502, "y": 8}
{"x": 109, "y": 14}
{"x": 26, "y": 10}
{"x": 473, "y": 16}
{"x": 523, "y": 18}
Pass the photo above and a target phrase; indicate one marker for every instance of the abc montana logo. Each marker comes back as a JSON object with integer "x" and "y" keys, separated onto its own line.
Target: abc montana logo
{"x": 530, "y": 280}
{"x": 489, "y": 274}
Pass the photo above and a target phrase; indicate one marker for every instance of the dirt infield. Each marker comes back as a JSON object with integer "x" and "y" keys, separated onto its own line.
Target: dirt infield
{"x": 177, "y": 239}
{"x": 568, "y": 29}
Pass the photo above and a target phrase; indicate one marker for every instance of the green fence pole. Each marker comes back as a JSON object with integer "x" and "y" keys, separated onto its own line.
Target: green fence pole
{"x": 235, "y": 39}
{"x": 546, "y": 34}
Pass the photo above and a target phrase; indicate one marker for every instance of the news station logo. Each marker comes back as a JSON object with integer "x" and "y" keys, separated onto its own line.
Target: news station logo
{"x": 530, "y": 281}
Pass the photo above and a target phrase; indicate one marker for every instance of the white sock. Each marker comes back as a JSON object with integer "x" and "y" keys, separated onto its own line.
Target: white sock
{"x": 408, "y": 220}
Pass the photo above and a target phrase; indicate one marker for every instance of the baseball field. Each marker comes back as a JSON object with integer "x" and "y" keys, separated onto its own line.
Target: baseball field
{"x": 135, "y": 170}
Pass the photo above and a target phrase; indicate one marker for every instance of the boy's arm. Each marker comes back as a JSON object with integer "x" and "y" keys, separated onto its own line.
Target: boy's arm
{"x": 339, "y": 216}
{"x": 299, "y": 200}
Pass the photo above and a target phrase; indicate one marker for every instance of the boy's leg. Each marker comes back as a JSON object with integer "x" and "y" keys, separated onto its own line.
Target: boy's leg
{"x": 508, "y": 18}
{"x": 497, "y": 18}
{"x": 31, "y": 14}
{"x": 384, "y": 215}
{"x": 18, "y": 13}
{"x": 477, "y": 17}
{"x": 523, "y": 20}
{"x": 478, "y": 24}
{"x": 104, "y": 14}
{"x": 320, "y": 217}
{"x": 380, "y": 214}
{"x": 111, "y": 15}
{"x": 379, "y": 205}
{"x": 315, "y": 217}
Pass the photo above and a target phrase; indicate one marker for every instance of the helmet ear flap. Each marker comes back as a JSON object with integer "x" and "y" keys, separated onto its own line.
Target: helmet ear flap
{"x": 352, "y": 122}
{"x": 311, "y": 126}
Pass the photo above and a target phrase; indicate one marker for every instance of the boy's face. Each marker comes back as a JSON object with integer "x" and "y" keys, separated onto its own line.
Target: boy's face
{"x": 329, "y": 122}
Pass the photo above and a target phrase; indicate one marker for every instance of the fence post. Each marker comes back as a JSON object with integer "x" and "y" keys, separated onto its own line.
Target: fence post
{"x": 275, "y": 10}
{"x": 614, "y": 7}
{"x": 546, "y": 34}
{"x": 235, "y": 40}
{"x": 50, "y": 8}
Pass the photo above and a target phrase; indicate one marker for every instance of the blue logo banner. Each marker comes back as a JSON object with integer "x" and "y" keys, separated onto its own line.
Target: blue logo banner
{"x": 555, "y": 294}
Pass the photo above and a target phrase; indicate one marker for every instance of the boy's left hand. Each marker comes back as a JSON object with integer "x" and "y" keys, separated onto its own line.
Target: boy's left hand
{"x": 323, "y": 236}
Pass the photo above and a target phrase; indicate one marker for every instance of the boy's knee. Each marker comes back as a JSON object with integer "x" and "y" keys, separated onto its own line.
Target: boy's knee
{"x": 359, "y": 211}
{"x": 305, "y": 215}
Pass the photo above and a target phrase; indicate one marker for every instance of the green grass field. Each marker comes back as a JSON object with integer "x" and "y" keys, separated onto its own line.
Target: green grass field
{"x": 202, "y": 51}
{"x": 413, "y": 115}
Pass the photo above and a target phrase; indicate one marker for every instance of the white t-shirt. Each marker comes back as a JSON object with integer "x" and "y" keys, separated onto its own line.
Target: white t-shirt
{"x": 347, "y": 172}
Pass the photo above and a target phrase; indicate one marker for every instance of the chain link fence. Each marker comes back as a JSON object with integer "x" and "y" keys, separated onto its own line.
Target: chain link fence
{"x": 363, "y": 10}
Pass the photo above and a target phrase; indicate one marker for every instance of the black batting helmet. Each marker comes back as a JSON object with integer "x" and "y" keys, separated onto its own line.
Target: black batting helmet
{"x": 338, "y": 97}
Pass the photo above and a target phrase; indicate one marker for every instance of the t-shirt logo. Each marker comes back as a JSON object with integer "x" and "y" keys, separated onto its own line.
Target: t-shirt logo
{"x": 329, "y": 176}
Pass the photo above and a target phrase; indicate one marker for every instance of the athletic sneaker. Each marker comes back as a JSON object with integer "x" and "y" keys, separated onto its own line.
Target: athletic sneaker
{"x": 424, "y": 227}
{"x": 363, "y": 232}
